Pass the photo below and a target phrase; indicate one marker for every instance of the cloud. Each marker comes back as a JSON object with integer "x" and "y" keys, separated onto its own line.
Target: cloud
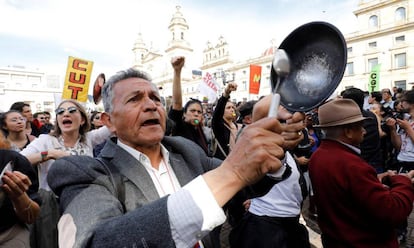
{"x": 105, "y": 30}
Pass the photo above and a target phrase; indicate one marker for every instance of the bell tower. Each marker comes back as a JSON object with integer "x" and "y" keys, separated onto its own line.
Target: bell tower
{"x": 140, "y": 50}
{"x": 178, "y": 44}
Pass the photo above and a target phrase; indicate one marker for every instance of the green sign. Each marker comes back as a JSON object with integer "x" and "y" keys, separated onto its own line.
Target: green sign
{"x": 374, "y": 78}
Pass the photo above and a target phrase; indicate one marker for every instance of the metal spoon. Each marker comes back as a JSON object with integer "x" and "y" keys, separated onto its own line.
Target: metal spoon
{"x": 281, "y": 65}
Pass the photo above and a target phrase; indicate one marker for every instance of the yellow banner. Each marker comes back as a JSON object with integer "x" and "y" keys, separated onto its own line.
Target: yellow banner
{"x": 78, "y": 76}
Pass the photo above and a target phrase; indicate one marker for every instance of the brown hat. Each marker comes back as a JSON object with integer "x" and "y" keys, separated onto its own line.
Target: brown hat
{"x": 339, "y": 112}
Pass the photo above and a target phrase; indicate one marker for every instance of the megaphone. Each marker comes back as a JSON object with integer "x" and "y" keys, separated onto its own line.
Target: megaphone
{"x": 317, "y": 54}
{"x": 97, "y": 88}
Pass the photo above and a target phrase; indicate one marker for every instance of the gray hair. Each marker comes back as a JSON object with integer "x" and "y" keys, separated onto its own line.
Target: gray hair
{"x": 107, "y": 90}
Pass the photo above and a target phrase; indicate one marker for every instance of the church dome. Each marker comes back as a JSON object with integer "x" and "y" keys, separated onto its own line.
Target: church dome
{"x": 178, "y": 18}
{"x": 269, "y": 51}
{"x": 139, "y": 42}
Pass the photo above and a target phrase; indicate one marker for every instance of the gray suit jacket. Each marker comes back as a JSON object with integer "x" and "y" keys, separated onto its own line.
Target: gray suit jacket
{"x": 88, "y": 195}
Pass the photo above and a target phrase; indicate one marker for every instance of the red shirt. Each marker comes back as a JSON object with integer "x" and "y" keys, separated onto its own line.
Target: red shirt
{"x": 354, "y": 208}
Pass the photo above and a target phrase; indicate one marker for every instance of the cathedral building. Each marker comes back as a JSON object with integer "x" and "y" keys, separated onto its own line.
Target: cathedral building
{"x": 216, "y": 60}
{"x": 383, "y": 40}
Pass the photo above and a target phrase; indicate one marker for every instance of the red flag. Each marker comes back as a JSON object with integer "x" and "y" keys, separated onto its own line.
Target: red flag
{"x": 255, "y": 76}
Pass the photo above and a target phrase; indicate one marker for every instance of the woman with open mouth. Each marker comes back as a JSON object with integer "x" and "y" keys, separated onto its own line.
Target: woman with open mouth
{"x": 70, "y": 136}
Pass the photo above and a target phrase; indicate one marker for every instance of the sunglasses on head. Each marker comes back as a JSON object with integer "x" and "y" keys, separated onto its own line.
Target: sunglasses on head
{"x": 71, "y": 110}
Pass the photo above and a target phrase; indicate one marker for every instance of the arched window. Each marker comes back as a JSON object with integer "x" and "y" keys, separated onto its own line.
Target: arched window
{"x": 400, "y": 14}
{"x": 373, "y": 21}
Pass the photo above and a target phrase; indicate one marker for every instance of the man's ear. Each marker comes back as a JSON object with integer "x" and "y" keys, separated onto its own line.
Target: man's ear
{"x": 106, "y": 120}
{"x": 348, "y": 132}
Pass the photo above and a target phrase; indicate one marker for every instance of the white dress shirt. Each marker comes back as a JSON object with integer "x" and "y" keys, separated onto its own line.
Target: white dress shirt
{"x": 193, "y": 211}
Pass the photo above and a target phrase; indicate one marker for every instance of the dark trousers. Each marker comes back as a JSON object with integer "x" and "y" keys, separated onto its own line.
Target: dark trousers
{"x": 270, "y": 232}
{"x": 212, "y": 240}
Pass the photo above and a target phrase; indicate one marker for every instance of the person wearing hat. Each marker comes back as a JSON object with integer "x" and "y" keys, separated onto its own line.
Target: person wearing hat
{"x": 354, "y": 207}
{"x": 371, "y": 143}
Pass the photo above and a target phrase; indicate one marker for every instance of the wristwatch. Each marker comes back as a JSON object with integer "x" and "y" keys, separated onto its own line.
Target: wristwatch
{"x": 44, "y": 155}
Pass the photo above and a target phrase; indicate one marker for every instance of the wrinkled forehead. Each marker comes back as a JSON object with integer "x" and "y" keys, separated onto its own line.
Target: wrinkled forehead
{"x": 140, "y": 84}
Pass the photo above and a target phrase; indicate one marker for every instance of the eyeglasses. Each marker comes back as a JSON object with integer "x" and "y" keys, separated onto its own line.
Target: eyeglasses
{"x": 71, "y": 110}
{"x": 21, "y": 119}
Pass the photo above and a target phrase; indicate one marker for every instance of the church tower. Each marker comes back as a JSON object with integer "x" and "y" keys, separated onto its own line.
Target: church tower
{"x": 140, "y": 50}
{"x": 178, "y": 45}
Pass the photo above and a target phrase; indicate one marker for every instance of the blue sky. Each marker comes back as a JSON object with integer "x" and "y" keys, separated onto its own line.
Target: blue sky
{"x": 42, "y": 34}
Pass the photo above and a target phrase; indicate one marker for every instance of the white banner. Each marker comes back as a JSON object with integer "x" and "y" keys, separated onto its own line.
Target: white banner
{"x": 208, "y": 88}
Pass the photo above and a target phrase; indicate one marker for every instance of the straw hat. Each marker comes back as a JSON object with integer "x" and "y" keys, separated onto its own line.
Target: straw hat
{"x": 339, "y": 112}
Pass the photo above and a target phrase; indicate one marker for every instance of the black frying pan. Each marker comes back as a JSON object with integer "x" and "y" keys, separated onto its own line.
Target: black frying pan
{"x": 318, "y": 55}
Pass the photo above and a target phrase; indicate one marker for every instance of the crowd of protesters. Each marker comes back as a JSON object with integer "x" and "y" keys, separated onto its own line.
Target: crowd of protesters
{"x": 43, "y": 211}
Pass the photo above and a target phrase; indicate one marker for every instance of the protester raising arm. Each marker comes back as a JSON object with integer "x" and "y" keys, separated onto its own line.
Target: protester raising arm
{"x": 223, "y": 122}
{"x": 177, "y": 100}
{"x": 188, "y": 120}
